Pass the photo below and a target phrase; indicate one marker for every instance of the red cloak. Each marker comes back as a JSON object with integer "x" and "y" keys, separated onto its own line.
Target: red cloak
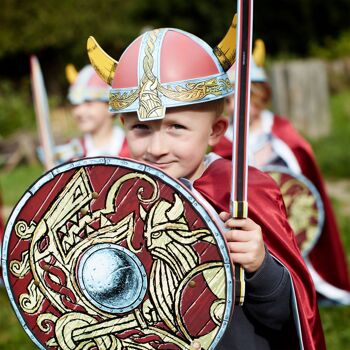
{"x": 267, "y": 209}
{"x": 333, "y": 269}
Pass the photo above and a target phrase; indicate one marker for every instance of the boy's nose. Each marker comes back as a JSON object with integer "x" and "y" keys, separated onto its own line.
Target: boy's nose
{"x": 80, "y": 109}
{"x": 157, "y": 146}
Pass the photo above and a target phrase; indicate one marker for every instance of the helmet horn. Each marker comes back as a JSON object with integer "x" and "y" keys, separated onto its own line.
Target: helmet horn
{"x": 104, "y": 64}
{"x": 71, "y": 73}
{"x": 259, "y": 53}
{"x": 225, "y": 51}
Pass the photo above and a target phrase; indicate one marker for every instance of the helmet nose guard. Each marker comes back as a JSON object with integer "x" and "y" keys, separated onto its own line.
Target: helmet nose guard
{"x": 165, "y": 68}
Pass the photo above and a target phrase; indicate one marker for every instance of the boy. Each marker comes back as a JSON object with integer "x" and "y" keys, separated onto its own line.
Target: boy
{"x": 159, "y": 86}
{"x": 274, "y": 141}
{"x": 88, "y": 95}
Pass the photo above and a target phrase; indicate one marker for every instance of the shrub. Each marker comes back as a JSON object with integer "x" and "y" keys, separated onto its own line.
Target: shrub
{"x": 16, "y": 109}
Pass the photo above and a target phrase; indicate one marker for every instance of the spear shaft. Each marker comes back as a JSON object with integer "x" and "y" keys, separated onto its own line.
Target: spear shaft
{"x": 42, "y": 113}
{"x": 239, "y": 200}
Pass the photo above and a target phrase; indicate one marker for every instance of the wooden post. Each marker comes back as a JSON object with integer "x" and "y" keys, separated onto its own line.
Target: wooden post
{"x": 339, "y": 74}
{"x": 300, "y": 93}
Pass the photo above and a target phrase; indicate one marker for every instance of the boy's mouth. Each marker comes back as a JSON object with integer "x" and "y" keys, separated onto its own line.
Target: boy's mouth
{"x": 161, "y": 165}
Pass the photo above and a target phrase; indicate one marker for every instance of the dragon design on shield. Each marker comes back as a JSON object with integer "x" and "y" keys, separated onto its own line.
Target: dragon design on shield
{"x": 105, "y": 272}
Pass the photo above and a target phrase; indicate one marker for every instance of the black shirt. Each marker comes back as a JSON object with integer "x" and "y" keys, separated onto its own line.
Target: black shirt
{"x": 265, "y": 321}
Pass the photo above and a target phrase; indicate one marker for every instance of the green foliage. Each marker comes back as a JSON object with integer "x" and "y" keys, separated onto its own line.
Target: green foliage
{"x": 335, "y": 321}
{"x": 16, "y": 110}
{"x": 56, "y": 31}
{"x": 343, "y": 210}
{"x": 63, "y": 26}
{"x": 333, "y": 47}
{"x": 332, "y": 151}
{"x": 12, "y": 335}
{"x": 29, "y": 26}
{"x": 18, "y": 181}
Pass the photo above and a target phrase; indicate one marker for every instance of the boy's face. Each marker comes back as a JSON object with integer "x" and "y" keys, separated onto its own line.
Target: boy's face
{"x": 256, "y": 107}
{"x": 229, "y": 106}
{"x": 92, "y": 116}
{"x": 176, "y": 144}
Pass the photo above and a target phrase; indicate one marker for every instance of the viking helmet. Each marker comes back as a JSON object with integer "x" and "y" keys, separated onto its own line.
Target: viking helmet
{"x": 86, "y": 85}
{"x": 165, "y": 68}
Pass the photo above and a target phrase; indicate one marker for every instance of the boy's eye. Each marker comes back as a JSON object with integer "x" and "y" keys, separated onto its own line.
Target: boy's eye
{"x": 178, "y": 126}
{"x": 139, "y": 127}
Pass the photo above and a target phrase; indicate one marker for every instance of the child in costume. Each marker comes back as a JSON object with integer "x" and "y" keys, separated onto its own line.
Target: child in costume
{"x": 274, "y": 141}
{"x": 88, "y": 95}
{"x": 169, "y": 88}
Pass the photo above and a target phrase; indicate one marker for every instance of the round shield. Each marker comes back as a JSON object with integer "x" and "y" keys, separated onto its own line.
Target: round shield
{"x": 107, "y": 253}
{"x": 303, "y": 204}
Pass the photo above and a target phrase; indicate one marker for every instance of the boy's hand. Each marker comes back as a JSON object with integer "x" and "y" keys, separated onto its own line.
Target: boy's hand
{"x": 245, "y": 242}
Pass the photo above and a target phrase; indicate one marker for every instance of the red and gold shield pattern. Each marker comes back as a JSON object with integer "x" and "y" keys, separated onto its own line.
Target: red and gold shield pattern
{"x": 303, "y": 204}
{"x": 106, "y": 253}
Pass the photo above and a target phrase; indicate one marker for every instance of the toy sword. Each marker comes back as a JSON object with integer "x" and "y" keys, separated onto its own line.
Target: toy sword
{"x": 42, "y": 113}
{"x": 239, "y": 202}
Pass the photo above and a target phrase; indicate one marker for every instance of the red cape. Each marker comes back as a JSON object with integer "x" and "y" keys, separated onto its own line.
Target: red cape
{"x": 333, "y": 269}
{"x": 267, "y": 209}
{"x": 124, "y": 152}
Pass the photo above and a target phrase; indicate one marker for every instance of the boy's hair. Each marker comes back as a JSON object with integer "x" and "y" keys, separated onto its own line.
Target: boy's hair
{"x": 215, "y": 105}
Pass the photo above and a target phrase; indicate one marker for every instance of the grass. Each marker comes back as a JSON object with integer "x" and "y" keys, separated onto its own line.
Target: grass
{"x": 335, "y": 321}
{"x": 334, "y": 161}
{"x": 13, "y": 186}
{"x": 332, "y": 151}
{"x": 16, "y": 182}
{"x": 12, "y": 335}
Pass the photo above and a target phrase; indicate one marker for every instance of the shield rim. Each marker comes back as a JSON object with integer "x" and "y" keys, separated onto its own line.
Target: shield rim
{"x": 132, "y": 165}
{"x": 314, "y": 191}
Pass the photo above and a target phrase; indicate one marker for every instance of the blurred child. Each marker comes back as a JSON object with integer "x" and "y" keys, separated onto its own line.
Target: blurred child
{"x": 169, "y": 88}
{"x": 274, "y": 141}
{"x": 88, "y": 95}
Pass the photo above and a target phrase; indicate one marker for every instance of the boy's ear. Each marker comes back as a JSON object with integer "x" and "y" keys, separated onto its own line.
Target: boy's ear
{"x": 218, "y": 130}
{"x": 122, "y": 120}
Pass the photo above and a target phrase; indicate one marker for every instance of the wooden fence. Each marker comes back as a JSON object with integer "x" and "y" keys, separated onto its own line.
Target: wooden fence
{"x": 301, "y": 93}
